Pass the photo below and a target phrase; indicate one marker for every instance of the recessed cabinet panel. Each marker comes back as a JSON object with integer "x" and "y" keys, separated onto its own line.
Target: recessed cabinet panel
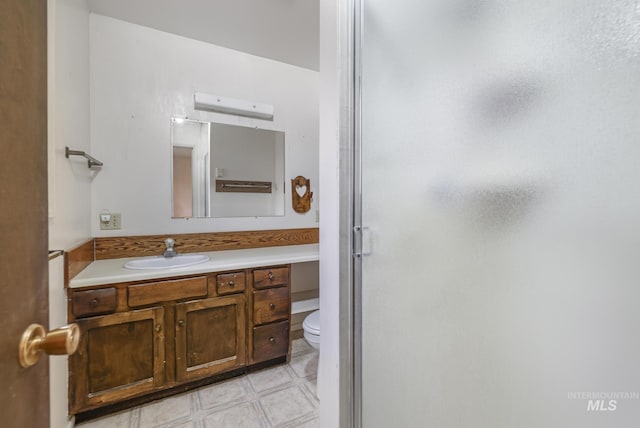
{"x": 274, "y": 277}
{"x": 270, "y": 305}
{"x": 210, "y": 336}
{"x": 119, "y": 356}
{"x": 108, "y": 344}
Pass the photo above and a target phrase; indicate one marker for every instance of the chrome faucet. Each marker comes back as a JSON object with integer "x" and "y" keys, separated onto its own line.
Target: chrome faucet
{"x": 169, "y": 252}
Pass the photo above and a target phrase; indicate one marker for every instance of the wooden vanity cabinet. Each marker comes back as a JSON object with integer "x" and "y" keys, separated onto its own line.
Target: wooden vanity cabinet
{"x": 159, "y": 334}
{"x": 139, "y": 338}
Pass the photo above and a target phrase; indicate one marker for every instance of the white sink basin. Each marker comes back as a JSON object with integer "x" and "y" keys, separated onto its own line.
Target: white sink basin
{"x": 160, "y": 262}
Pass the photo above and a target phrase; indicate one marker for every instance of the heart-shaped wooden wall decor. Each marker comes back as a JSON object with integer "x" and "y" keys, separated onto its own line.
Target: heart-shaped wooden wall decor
{"x": 301, "y": 194}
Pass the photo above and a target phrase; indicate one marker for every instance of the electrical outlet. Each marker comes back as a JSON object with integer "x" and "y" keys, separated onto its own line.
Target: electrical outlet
{"x": 114, "y": 221}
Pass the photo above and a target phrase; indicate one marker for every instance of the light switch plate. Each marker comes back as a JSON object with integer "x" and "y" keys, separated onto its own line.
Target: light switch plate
{"x": 114, "y": 223}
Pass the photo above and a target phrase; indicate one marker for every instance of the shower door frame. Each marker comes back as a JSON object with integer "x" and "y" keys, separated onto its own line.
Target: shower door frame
{"x": 349, "y": 27}
{"x": 348, "y": 22}
{"x": 351, "y": 215}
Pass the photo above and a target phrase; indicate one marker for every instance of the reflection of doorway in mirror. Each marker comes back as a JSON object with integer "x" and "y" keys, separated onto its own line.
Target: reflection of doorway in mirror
{"x": 190, "y": 190}
{"x": 182, "y": 187}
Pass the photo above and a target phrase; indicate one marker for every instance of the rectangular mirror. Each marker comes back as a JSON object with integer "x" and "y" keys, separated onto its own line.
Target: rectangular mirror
{"x": 222, "y": 170}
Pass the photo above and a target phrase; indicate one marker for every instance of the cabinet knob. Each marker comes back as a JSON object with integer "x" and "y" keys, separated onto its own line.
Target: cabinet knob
{"x": 181, "y": 323}
{"x": 271, "y": 276}
{"x": 158, "y": 328}
{"x": 93, "y": 303}
{"x": 272, "y": 306}
{"x": 232, "y": 284}
{"x": 272, "y": 339}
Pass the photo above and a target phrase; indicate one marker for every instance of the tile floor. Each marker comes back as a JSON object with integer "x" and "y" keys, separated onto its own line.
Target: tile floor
{"x": 283, "y": 396}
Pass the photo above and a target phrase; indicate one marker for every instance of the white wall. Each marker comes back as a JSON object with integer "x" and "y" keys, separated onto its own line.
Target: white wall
{"x": 140, "y": 77}
{"x": 58, "y": 365}
{"x": 282, "y": 30}
{"x": 329, "y": 380}
{"x": 69, "y": 179}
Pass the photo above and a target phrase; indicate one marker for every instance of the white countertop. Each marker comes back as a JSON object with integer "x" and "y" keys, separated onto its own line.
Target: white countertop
{"x": 112, "y": 271}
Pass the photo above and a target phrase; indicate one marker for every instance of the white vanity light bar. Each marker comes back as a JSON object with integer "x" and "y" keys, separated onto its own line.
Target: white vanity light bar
{"x": 232, "y": 106}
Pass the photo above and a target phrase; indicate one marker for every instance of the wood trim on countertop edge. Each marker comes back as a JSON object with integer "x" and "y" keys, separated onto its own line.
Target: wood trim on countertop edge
{"x": 104, "y": 248}
{"x": 78, "y": 258}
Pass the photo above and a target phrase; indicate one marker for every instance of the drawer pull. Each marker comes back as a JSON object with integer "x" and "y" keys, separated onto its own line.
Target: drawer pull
{"x": 93, "y": 303}
{"x": 181, "y": 323}
{"x": 270, "y": 277}
{"x": 272, "y": 306}
{"x": 230, "y": 283}
{"x": 272, "y": 339}
{"x": 158, "y": 328}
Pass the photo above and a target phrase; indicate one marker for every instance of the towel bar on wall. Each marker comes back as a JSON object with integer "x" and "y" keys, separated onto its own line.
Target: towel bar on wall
{"x": 91, "y": 160}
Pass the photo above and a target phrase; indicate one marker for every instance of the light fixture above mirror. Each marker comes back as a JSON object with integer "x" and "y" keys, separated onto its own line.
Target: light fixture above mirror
{"x": 234, "y": 106}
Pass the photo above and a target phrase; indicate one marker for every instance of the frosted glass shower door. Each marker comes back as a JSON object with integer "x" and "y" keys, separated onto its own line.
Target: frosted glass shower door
{"x": 501, "y": 188}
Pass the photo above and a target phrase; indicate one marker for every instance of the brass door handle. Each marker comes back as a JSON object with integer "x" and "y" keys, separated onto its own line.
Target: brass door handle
{"x": 35, "y": 340}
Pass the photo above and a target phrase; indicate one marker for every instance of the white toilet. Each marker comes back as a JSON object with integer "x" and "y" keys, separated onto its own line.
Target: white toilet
{"x": 311, "y": 327}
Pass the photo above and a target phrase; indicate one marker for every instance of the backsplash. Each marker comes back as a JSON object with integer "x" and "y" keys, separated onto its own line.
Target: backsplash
{"x": 103, "y": 248}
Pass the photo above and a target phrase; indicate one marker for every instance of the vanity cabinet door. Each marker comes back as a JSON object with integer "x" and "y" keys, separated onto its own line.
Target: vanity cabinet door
{"x": 119, "y": 356}
{"x": 210, "y": 336}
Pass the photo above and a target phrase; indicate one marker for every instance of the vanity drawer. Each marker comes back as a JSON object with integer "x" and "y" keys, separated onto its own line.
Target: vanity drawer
{"x": 230, "y": 283}
{"x": 164, "y": 291}
{"x": 270, "y": 305}
{"x": 264, "y": 278}
{"x": 94, "y": 302}
{"x": 270, "y": 341}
